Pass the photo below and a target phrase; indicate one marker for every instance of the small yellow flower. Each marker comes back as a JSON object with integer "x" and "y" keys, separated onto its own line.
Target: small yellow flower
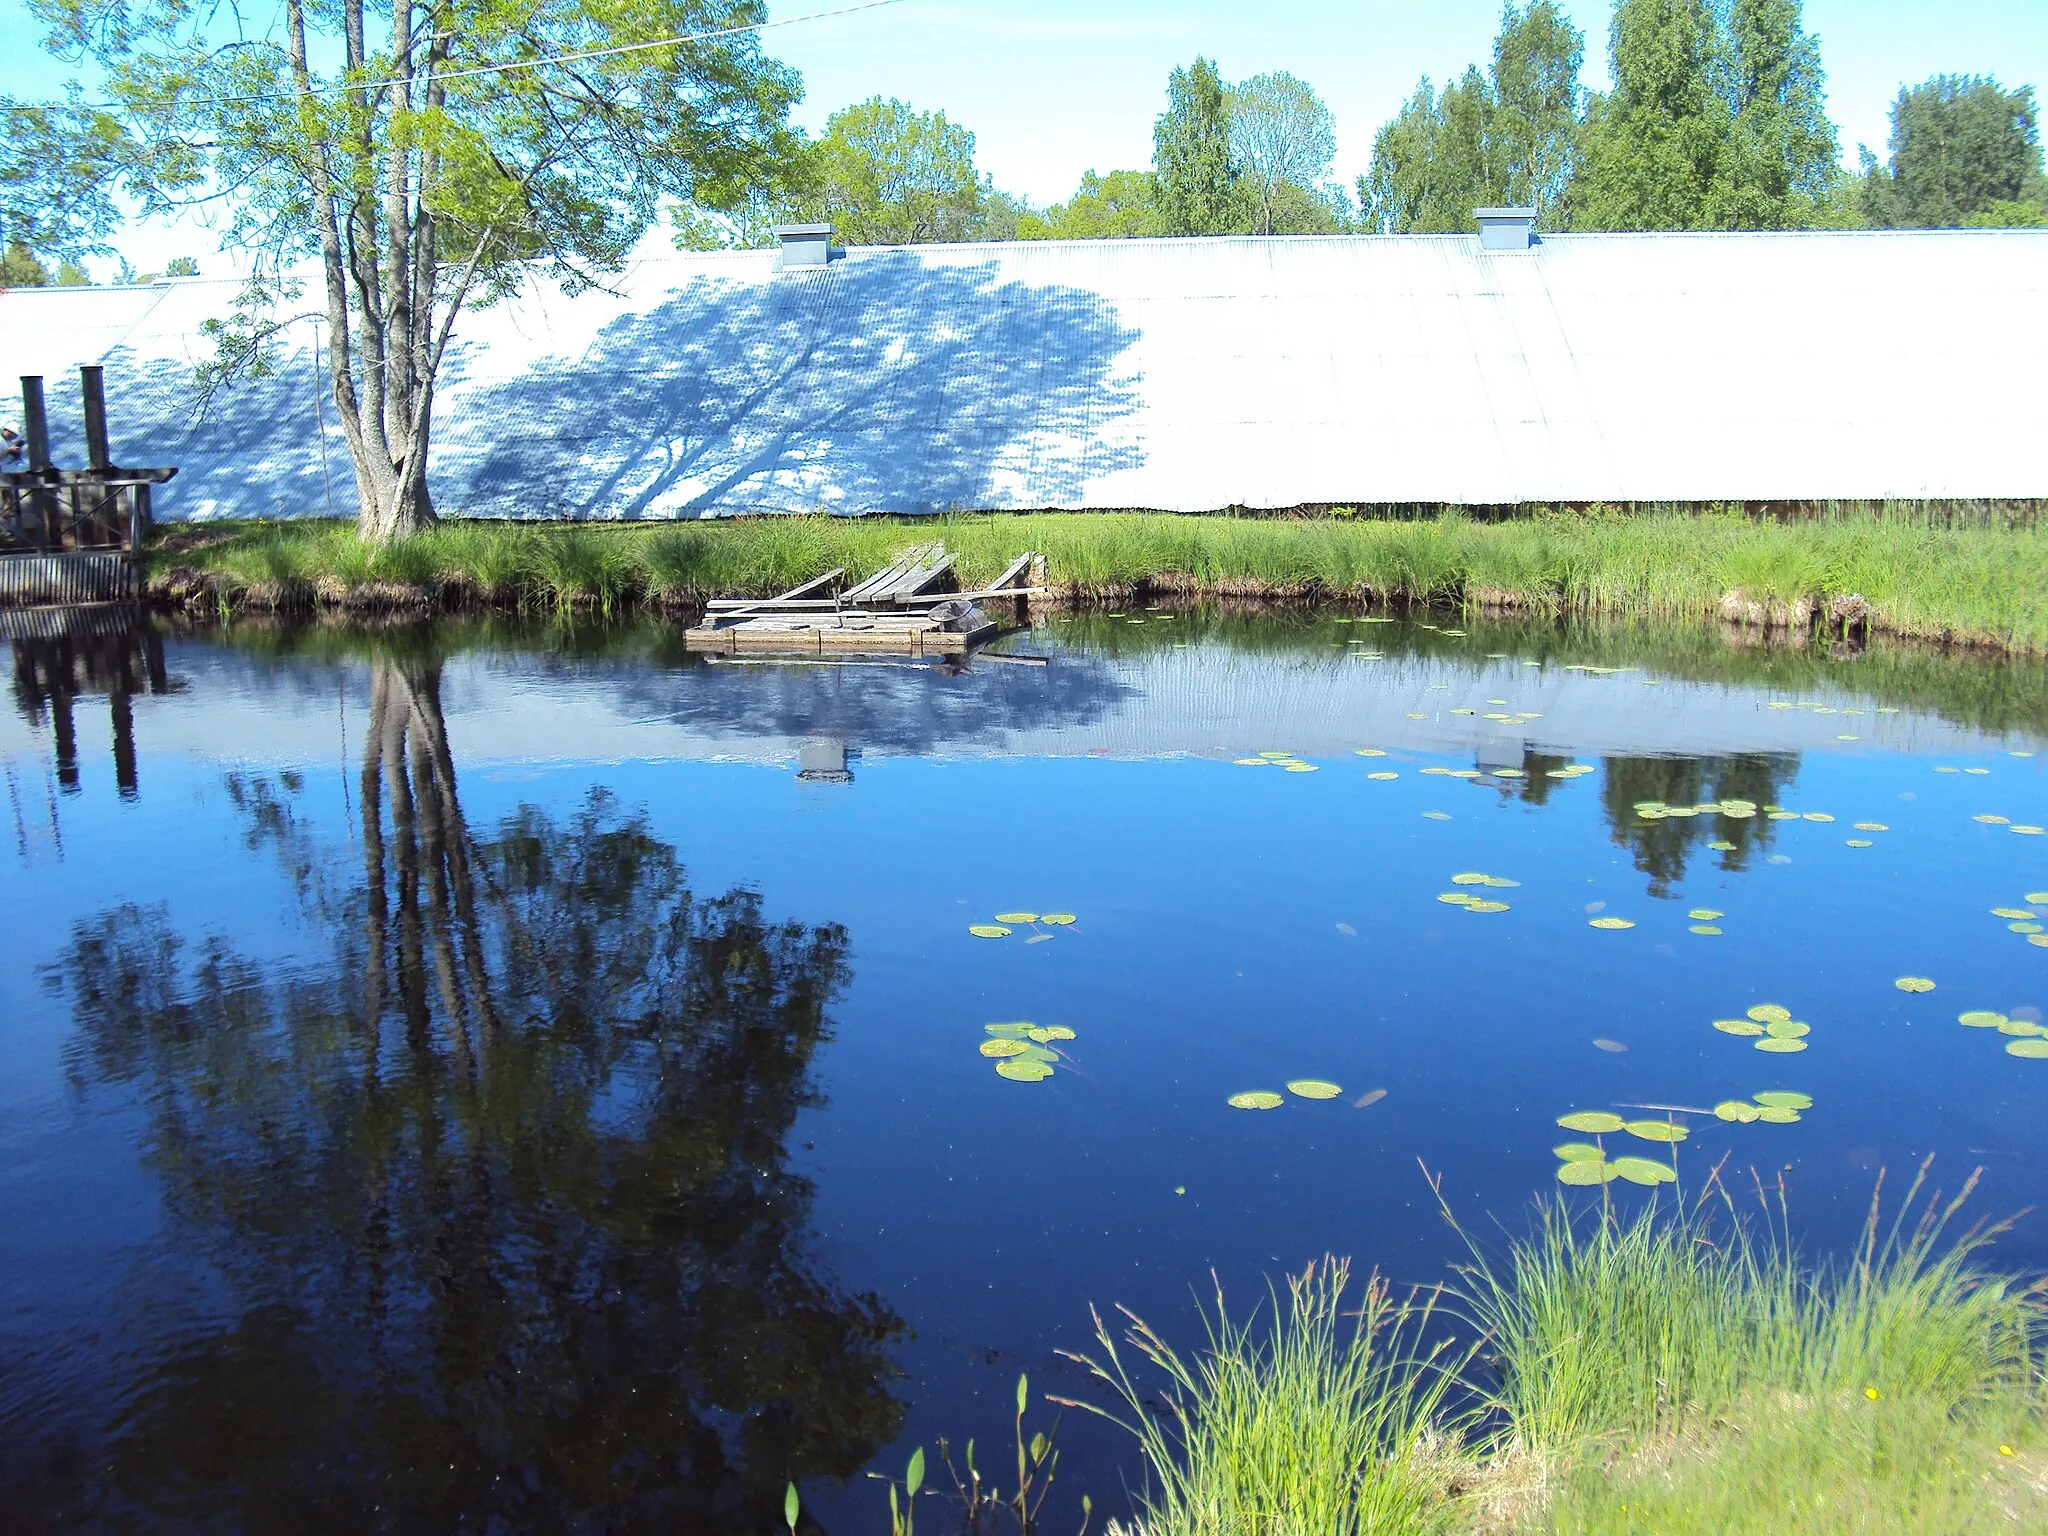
{"x": 2005, "y": 1450}
{"x": 1871, "y": 1393}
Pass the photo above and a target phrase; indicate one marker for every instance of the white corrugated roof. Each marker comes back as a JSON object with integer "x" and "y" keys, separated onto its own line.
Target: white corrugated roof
{"x": 1178, "y": 374}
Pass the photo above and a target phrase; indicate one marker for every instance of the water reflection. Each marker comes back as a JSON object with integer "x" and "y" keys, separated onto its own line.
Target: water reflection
{"x": 1662, "y": 847}
{"x": 63, "y": 654}
{"x": 492, "y": 1203}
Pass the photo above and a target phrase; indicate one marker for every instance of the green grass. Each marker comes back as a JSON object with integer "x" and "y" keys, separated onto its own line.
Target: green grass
{"x": 1674, "y": 1372}
{"x": 1984, "y": 584}
{"x": 1323, "y": 1420}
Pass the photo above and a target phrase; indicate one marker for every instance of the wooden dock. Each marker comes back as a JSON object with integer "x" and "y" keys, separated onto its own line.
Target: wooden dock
{"x": 902, "y": 611}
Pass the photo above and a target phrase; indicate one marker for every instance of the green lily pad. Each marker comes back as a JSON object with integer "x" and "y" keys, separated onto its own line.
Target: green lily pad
{"x": 1016, "y": 917}
{"x": 1258, "y": 1098}
{"x": 1037, "y": 1053}
{"x": 2020, "y": 1027}
{"x": 1486, "y": 906}
{"x": 1764, "y": 1013}
{"x": 1778, "y": 1116}
{"x": 1781, "y": 1047}
{"x": 2031, "y": 1048}
{"x": 988, "y": 930}
{"x": 1981, "y": 1018}
{"x": 1706, "y": 929}
{"x": 1313, "y": 1088}
{"x": 1591, "y": 1121}
{"x": 1656, "y": 1130}
{"x": 1914, "y": 984}
{"x": 1020, "y": 1071}
{"x": 2037, "y": 898}
{"x": 1787, "y": 1029}
{"x": 1008, "y": 1031}
{"x": 1578, "y": 1152}
{"x": 1738, "y": 1026}
{"x": 2013, "y": 912}
{"x": 1470, "y": 878}
{"x": 1735, "y": 1112}
{"x": 1722, "y": 847}
{"x": 1002, "y": 1048}
{"x": 1783, "y": 1098}
{"x": 1610, "y": 922}
{"x": 1704, "y": 914}
{"x": 1640, "y": 1170}
{"x": 1456, "y": 898}
{"x": 1585, "y": 1174}
{"x": 2025, "y": 927}
{"x": 1383, "y": 776}
{"x": 1436, "y": 815}
{"x": 1052, "y": 1032}
{"x": 1059, "y": 919}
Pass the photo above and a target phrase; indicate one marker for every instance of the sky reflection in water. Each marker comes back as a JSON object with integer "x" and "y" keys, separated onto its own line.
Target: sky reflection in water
{"x": 476, "y": 1076}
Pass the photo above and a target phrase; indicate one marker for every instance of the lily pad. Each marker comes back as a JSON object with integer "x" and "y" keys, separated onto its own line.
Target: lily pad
{"x": 2013, "y": 912}
{"x": 1708, "y": 929}
{"x": 1611, "y": 922}
{"x": 1455, "y": 898}
{"x": 1787, "y": 1029}
{"x": 1766, "y": 1013}
{"x": 1778, "y": 1116}
{"x": 2037, "y": 898}
{"x": 1735, "y": 1112}
{"x": 2025, "y": 927}
{"x": 1655, "y": 1130}
{"x": 1436, "y": 815}
{"x": 1704, "y": 914}
{"x": 1383, "y": 776}
{"x": 1299, "y": 767}
{"x": 1277, "y": 757}
{"x": 1002, "y": 1048}
{"x": 1578, "y": 1152}
{"x": 2035, "y": 1049}
{"x": 1259, "y": 1098}
{"x": 1784, "y": 1098}
{"x": 1722, "y": 847}
{"x": 1023, "y": 1071}
{"x": 1982, "y": 1018}
{"x": 1994, "y": 821}
{"x": 1738, "y": 1026}
{"x": 1857, "y": 842}
{"x": 1592, "y": 1122}
{"x": 1613, "y": 1047}
{"x": 2038, "y": 938}
{"x": 1008, "y": 1031}
{"x": 2021, "y": 1027}
{"x": 1872, "y": 826}
{"x": 1371, "y": 752}
{"x": 1471, "y": 878}
{"x": 1249, "y": 762}
{"x": 1313, "y": 1088}
{"x": 1052, "y": 1032}
{"x": 1502, "y": 883}
{"x": 1584, "y": 1174}
{"x": 1486, "y": 906}
{"x": 1780, "y": 1047}
{"x": 1059, "y": 919}
{"x": 988, "y": 930}
{"x": 1640, "y": 1170}
{"x": 1016, "y": 917}
{"x": 1914, "y": 984}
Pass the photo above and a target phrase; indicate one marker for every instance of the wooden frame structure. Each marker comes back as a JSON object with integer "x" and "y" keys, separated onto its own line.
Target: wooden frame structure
{"x": 900, "y": 610}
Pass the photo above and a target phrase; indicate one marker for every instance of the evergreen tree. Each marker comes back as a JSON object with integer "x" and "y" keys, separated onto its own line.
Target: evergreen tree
{"x": 19, "y": 267}
{"x": 1961, "y": 146}
{"x": 1191, "y": 158}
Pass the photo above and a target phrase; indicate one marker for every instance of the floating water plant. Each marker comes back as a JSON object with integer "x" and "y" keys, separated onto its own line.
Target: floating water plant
{"x": 1592, "y": 1122}
{"x": 1982, "y": 1018}
{"x": 989, "y": 930}
{"x": 1313, "y": 1088}
{"x": 2034, "y": 1049}
{"x": 1704, "y": 914}
{"x": 1016, "y": 917}
{"x": 1022, "y": 1070}
{"x": 1780, "y": 1047}
{"x": 1611, "y": 923}
{"x": 1002, "y": 1048}
{"x": 1770, "y": 1013}
{"x": 1655, "y": 1130}
{"x": 1586, "y": 1174}
{"x": 1914, "y": 984}
{"x": 1641, "y": 1170}
{"x": 1738, "y": 1026}
{"x": 1258, "y": 1098}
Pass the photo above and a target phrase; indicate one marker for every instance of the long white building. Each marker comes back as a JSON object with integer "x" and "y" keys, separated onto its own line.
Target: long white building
{"x": 1186, "y": 375}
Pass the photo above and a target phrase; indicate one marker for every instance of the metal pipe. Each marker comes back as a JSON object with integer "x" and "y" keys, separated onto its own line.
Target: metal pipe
{"x": 35, "y": 422}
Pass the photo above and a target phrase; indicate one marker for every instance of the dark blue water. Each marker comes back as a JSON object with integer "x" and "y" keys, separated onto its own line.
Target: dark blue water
{"x": 511, "y": 1081}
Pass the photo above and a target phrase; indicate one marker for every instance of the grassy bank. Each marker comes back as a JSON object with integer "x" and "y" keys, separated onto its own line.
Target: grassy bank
{"x": 1655, "y": 1375}
{"x": 1972, "y": 585}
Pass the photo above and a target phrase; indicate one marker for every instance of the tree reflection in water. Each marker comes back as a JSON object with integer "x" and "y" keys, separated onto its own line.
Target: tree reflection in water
{"x": 499, "y": 1199}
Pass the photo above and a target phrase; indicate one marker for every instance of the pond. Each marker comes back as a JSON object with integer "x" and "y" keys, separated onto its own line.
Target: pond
{"x": 509, "y": 1079}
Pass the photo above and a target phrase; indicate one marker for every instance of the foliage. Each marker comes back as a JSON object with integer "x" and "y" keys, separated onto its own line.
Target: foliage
{"x": 1326, "y": 1419}
{"x": 1782, "y": 160}
{"x": 1508, "y": 137}
{"x": 887, "y": 174}
{"x": 1654, "y": 145}
{"x": 1281, "y": 135}
{"x": 425, "y": 176}
{"x": 19, "y": 267}
{"x": 1963, "y": 150}
{"x": 1120, "y": 206}
{"x": 1195, "y": 173}
{"x": 182, "y": 266}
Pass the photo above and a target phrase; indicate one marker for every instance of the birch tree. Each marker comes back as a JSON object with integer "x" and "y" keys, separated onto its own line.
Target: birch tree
{"x": 428, "y": 156}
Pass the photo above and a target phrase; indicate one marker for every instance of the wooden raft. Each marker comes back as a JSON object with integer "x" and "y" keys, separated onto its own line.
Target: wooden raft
{"x": 901, "y": 611}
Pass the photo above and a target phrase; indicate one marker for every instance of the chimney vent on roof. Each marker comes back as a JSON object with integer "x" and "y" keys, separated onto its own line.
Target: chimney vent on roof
{"x": 1506, "y": 229}
{"x": 803, "y": 245}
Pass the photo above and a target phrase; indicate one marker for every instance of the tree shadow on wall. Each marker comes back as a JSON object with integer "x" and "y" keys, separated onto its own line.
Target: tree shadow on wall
{"x": 883, "y": 383}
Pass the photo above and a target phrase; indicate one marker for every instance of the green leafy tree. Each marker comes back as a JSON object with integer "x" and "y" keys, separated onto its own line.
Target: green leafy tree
{"x": 1782, "y": 161}
{"x": 182, "y": 266}
{"x": 423, "y": 177}
{"x": 71, "y": 275}
{"x": 1533, "y": 122}
{"x": 1963, "y": 150}
{"x": 1281, "y": 135}
{"x": 887, "y": 174}
{"x": 19, "y": 267}
{"x": 1194, "y": 172}
{"x": 1656, "y": 146}
{"x": 1123, "y": 205}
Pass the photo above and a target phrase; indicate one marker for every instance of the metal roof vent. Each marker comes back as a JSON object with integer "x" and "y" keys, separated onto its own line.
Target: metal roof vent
{"x": 803, "y": 245}
{"x": 1506, "y": 229}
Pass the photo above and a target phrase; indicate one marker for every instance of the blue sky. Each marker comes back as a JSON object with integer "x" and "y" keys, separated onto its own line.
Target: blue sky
{"x": 1053, "y": 88}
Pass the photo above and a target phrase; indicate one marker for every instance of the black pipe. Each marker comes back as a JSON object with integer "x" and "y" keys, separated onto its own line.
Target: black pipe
{"x": 92, "y": 384}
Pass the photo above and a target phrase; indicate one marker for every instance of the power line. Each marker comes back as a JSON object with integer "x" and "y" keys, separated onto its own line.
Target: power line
{"x": 471, "y": 73}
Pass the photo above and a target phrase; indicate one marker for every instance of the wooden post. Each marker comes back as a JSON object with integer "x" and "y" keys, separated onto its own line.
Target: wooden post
{"x": 93, "y": 385}
{"x": 35, "y": 422}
